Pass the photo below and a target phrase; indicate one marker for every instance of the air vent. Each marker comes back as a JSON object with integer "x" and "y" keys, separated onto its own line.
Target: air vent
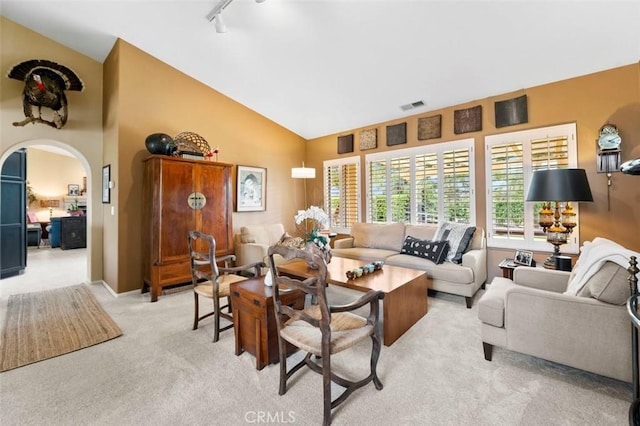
{"x": 412, "y": 105}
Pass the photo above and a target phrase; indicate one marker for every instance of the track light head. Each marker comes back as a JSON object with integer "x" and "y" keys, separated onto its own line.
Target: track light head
{"x": 219, "y": 24}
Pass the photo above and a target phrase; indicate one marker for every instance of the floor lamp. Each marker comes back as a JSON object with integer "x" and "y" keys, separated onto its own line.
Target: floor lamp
{"x": 303, "y": 173}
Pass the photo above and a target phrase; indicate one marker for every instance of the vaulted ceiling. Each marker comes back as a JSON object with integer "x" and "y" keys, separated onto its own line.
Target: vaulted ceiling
{"x": 326, "y": 66}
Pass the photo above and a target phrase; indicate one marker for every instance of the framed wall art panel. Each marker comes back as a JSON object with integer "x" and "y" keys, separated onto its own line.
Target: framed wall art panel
{"x": 511, "y": 111}
{"x": 467, "y": 120}
{"x": 429, "y": 127}
{"x": 368, "y": 139}
{"x": 345, "y": 144}
{"x": 397, "y": 134}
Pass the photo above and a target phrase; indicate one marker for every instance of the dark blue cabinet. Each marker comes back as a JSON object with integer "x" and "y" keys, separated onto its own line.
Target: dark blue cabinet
{"x": 13, "y": 215}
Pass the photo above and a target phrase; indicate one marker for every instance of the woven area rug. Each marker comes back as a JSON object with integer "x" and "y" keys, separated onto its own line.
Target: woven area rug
{"x": 49, "y": 323}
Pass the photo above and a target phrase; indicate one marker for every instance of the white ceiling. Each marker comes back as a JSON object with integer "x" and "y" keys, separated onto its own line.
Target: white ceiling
{"x": 327, "y": 66}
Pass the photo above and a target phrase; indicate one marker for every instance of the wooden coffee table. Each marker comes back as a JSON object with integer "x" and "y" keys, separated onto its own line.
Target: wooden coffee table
{"x": 405, "y": 290}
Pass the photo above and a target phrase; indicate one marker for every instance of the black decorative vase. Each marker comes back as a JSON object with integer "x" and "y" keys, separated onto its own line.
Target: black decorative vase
{"x": 160, "y": 143}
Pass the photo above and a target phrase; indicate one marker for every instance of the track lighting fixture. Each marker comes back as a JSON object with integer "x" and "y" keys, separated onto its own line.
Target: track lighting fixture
{"x": 216, "y": 15}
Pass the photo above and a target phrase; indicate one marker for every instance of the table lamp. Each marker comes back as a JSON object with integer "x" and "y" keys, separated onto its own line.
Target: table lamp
{"x": 558, "y": 186}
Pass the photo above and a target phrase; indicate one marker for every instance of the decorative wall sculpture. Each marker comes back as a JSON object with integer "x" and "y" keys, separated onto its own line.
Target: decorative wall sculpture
{"x": 511, "y": 112}
{"x": 397, "y": 134}
{"x": 368, "y": 139}
{"x": 429, "y": 127}
{"x": 467, "y": 120}
{"x": 345, "y": 144}
{"x": 44, "y": 85}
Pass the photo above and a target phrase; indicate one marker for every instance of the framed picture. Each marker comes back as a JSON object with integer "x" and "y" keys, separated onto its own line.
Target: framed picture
{"x": 251, "y": 187}
{"x": 523, "y": 257}
{"x": 106, "y": 190}
{"x": 73, "y": 190}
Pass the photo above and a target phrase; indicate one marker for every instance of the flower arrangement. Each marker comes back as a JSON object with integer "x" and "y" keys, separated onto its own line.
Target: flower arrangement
{"x": 310, "y": 222}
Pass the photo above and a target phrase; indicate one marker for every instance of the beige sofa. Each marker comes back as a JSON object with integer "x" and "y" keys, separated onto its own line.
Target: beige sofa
{"x": 372, "y": 241}
{"x": 534, "y": 315}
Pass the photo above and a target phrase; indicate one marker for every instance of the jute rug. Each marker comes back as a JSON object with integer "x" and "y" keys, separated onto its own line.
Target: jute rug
{"x": 49, "y": 323}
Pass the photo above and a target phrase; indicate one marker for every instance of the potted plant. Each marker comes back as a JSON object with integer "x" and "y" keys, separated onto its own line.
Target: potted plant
{"x": 73, "y": 209}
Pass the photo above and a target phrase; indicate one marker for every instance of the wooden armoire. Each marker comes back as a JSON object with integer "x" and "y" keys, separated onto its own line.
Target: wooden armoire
{"x": 180, "y": 195}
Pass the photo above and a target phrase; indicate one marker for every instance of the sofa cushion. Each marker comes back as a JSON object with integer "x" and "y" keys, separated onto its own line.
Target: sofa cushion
{"x": 491, "y": 304}
{"x": 610, "y": 284}
{"x": 377, "y": 235}
{"x": 435, "y": 251}
{"x": 459, "y": 236}
{"x": 447, "y": 271}
{"x": 423, "y": 232}
{"x": 363, "y": 253}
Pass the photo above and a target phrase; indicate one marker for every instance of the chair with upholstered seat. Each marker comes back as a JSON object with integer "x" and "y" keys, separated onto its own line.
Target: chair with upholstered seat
{"x": 321, "y": 329}
{"x": 211, "y": 281}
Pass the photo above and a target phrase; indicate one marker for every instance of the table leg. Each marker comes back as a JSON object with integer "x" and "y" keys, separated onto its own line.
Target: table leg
{"x": 403, "y": 307}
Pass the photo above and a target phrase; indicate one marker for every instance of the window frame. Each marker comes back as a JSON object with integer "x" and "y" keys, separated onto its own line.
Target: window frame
{"x": 355, "y": 160}
{"x": 525, "y": 137}
{"x": 439, "y": 149}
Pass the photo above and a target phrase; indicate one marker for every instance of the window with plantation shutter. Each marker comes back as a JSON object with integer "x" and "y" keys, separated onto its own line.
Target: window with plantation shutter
{"x": 510, "y": 161}
{"x": 427, "y": 184}
{"x": 342, "y": 194}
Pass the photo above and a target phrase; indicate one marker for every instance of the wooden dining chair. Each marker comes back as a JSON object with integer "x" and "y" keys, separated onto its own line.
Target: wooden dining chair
{"x": 321, "y": 329}
{"x": 211, "y": 281}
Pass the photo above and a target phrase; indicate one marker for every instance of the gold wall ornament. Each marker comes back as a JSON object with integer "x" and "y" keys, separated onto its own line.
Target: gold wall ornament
{"x": 44, "y": 85}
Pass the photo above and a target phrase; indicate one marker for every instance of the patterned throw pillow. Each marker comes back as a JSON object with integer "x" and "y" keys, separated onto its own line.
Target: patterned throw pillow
{"x": 459, "y": 236}
{"x": 435, "y": 251}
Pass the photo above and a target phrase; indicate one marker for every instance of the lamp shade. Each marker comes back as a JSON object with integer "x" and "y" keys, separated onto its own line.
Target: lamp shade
{"x": 303, "y": 172}
{"x": 559, "y": 185}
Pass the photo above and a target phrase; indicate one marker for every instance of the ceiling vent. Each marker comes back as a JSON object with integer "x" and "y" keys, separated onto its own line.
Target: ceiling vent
{"x": 412, "y": 105}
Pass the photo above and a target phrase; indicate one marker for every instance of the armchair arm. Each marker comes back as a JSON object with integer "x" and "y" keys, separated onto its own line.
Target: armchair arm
{"x": 581, "y": 332}
{"x": 343, "y": 243}
{"x": 251, "y": 252}
{"x": 477, "y": 261}
{"x": 542, "y": 279}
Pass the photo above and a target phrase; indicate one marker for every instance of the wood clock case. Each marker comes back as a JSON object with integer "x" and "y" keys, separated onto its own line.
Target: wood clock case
{"x": 167, "y": 216}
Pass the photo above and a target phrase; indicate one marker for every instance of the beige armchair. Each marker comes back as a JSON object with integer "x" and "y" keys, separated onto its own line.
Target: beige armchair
{"x": 253, "y": 241}
{"x": 534, "y": 315}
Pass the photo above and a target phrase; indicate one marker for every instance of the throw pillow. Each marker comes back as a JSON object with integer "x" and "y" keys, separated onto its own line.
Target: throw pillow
{"x": 435, "y": 251}
{"x": 610, "y": 284}
{"x": 459, "y": 237}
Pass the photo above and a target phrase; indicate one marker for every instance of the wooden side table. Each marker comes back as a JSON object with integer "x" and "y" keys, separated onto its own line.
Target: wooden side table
{"x": 507, "y": 266}
{"x": 254, "y": 320}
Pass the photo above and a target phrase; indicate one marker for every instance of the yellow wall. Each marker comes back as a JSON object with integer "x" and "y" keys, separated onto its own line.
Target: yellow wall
{"x": 143, "y": 96}
{"x": 610, "y": 96}
{"x": 82, "y": 135}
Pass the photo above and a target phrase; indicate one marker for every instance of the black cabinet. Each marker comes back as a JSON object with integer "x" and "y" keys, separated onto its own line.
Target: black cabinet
{"x": 73, "y": 232}
{"x": 13, "y": 215}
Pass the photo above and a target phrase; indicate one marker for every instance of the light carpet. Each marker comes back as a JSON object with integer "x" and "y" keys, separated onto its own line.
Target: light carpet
{"x": 160, "y": 372}
{"x": 49, "y": 323}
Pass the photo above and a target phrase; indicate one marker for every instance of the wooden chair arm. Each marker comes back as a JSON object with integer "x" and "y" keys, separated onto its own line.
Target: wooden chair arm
{"x": 369, "y": 297}
{"x": 256, "y": 265}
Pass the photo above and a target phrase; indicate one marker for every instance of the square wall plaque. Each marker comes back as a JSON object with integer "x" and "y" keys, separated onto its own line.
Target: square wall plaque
{"x": 467, "y": 120}
{"x": 345, "y": 144}
{"x": 397, "y": 134}
{"x": 429, "y": 127}
{"x": 368, "y": 139}
{"x": 511, "y": 112}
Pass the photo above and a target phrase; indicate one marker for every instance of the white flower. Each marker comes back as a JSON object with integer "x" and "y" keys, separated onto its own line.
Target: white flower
{"x": 314, "y": 213}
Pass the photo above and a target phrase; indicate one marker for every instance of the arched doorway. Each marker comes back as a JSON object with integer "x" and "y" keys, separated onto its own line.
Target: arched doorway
{"x": 71, "y": 152}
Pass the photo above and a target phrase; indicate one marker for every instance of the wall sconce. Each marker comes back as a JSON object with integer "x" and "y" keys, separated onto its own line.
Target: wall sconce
{"x": 608, "y": 154}
{"x": 558, "y": 185}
